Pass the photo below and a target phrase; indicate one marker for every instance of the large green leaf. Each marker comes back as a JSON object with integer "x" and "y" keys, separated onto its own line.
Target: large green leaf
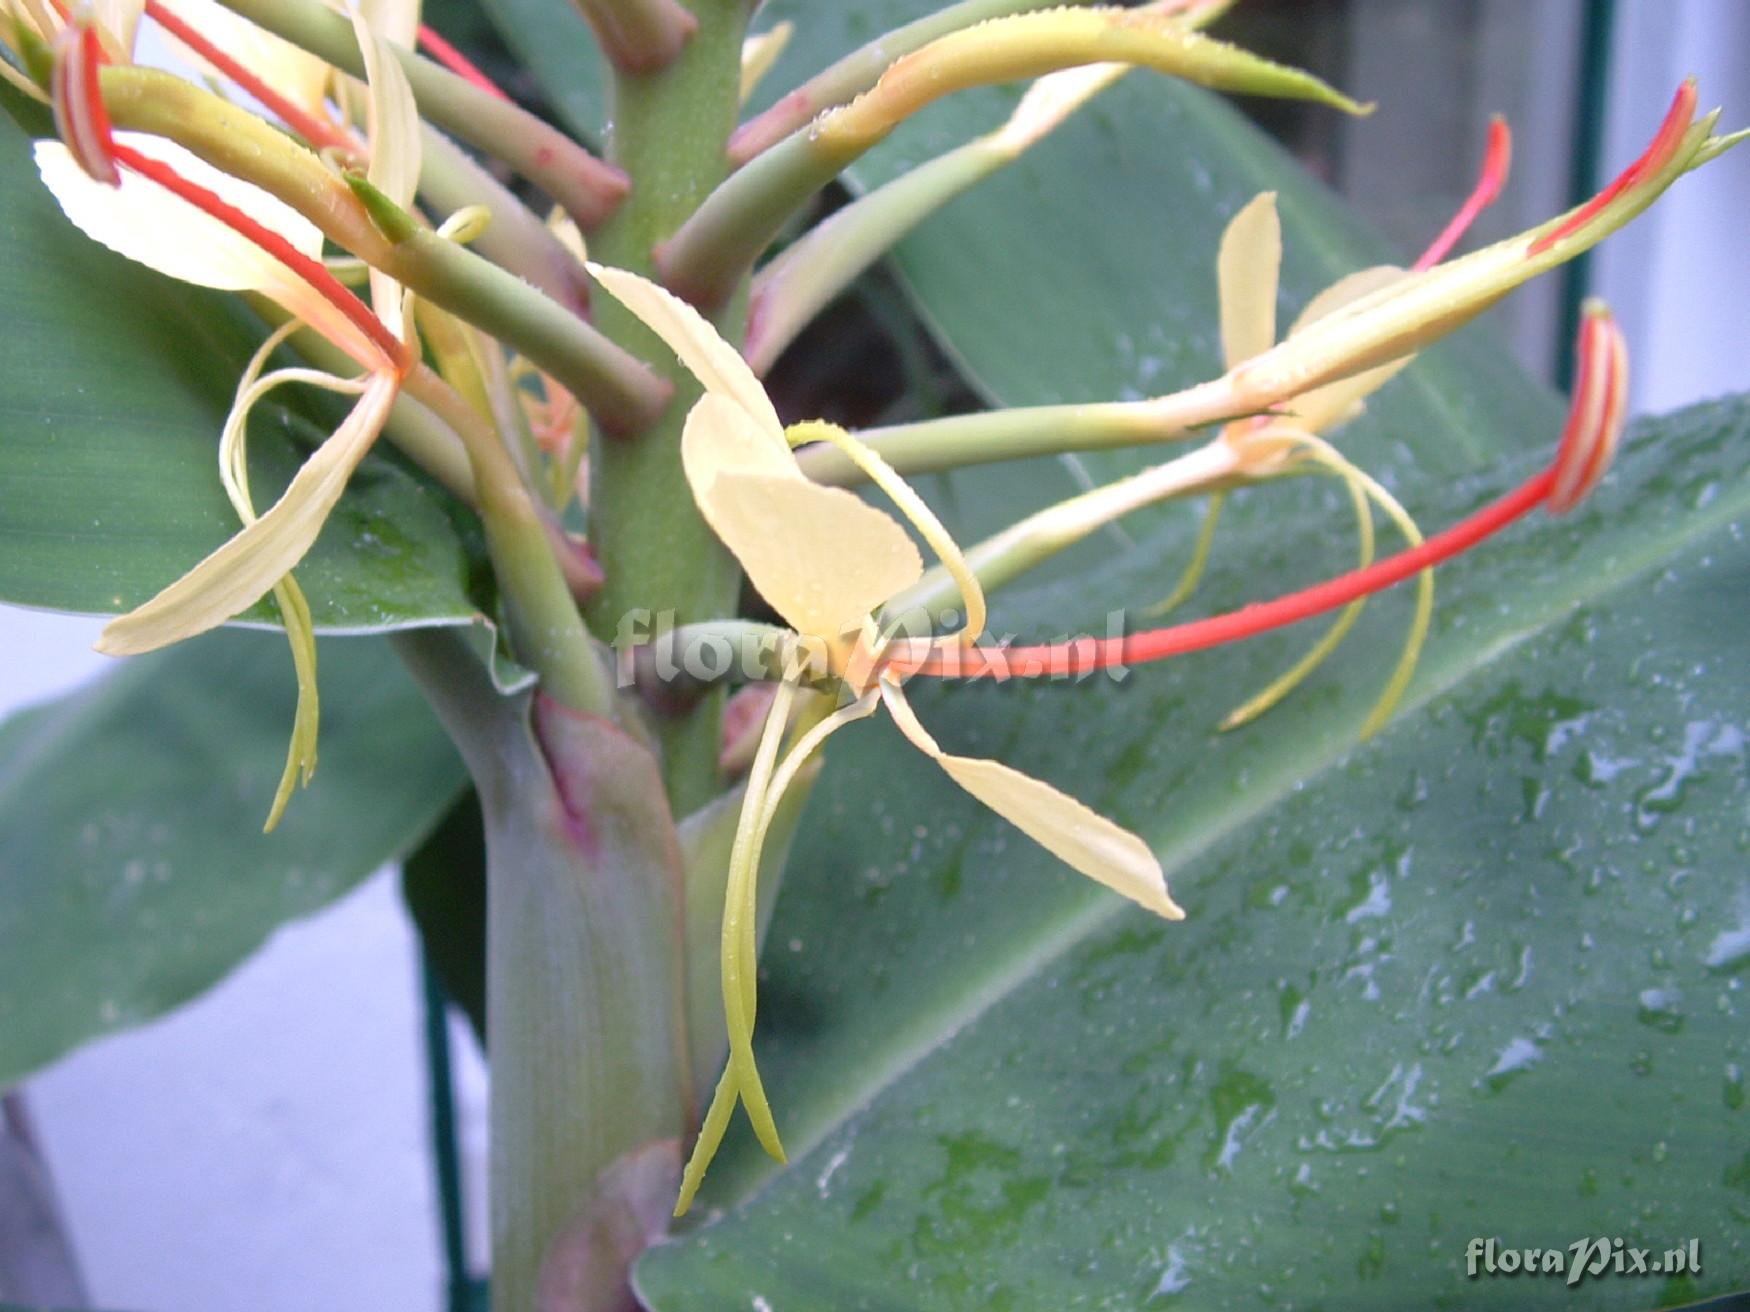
{"x": 133, "y": 869}
{"x": 1480, "y": 977}
{"x": 115, "y": 386}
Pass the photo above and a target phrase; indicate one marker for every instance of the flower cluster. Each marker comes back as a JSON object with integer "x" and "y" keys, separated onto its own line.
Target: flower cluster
{"x": 480, "y": 347}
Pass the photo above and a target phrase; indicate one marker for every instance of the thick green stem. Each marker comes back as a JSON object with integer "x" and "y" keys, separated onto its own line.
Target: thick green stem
{"x": 587, "y": 188}
{"x": 544, "y": 621}
{"x": 516, "y": 239}
{"x": 617, "y": 387}
{"x": 669, "y": 134}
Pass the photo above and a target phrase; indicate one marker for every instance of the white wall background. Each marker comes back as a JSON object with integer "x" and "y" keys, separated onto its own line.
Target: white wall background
{"x": 266, "y": 1148}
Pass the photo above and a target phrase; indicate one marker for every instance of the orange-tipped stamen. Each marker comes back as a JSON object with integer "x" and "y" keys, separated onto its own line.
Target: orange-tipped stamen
{"x": 1600, "y": 404}
{"x": 1656, "y": 156}
{"x": 310, "y": 270}
{"x": 76, "y": 96}
{"x": 313, "y": 129}
{"x": 446, "y": 54}
{"x": 1085, "y": 655}
{"x": 1497, "y": 160}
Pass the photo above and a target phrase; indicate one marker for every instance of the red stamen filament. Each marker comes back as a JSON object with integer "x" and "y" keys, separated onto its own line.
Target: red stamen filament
{"x": 458, "y": 63}
{"x": 310, "y": 270}
{"x": 313, "y": 129}
{"x": 1085, "y": 655}
{"x": 1497, "y": 159}
{"x": 1656, "y": 156}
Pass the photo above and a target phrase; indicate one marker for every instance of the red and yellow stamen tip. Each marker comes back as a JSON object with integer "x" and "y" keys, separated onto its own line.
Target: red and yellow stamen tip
{"x": 1665, "y": 144}
{"x": 76, "y": 96}
{"x": 1598, "y": 410}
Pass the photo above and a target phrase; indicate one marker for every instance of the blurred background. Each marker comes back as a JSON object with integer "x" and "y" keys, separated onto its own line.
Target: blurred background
{"x": 272, "y": 1146}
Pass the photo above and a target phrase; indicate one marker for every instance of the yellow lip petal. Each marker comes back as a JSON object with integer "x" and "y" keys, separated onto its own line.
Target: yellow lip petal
{"x": 722, "y": 438}
{"x": 823, "y": 558}
{"x": 237, "y": 575}
{"x": 699, "y": 346}
{"x": 1077, "y": 835}
{"x": 1247, "y": 270}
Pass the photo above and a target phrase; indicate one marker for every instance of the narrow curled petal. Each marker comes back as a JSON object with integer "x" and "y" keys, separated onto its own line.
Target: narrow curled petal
{"x": 1051, "y": 100}
{"x": 1075, "y": 834}
{"x": 120, "y": 19}
{"x": 759, "y": 53}
{"x": 821, "y": 556}
{"x": 700, "y": 347}
{"x": 236, "y": 576}
{"x": 1247, "y": 270}
{"x": 392, "y": 117}
{"x": 395, "y": 21}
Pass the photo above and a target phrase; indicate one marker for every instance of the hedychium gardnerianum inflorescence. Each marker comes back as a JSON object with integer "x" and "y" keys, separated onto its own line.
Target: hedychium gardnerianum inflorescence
{"x": 481, "y": 348}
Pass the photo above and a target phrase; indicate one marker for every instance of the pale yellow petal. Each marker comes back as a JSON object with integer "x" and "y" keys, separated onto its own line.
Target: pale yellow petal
{"x": 1051, "y": 100}
{"x": 1075, "y": 834}
{"x": 392, "y": 117}
{"x": 141, "y": 220}
{"x": 300, "y": 77}
{"x": 396, "y": 21}
{"x": 759, "y": 53}
{"x": 1247, "y": 270}
{"x": 721, "y": 438}
{"x": 1336, "y": 403}
{"x": 699, "y": 346}
{"x": 120, "y": 19}
{"x": 823, "y": 558}
{"x": 1347, "y": 291}
{"x": 237, "y": 575}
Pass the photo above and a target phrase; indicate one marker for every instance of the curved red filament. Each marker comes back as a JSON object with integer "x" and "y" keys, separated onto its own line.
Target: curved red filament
{"x": 310, "y": 270}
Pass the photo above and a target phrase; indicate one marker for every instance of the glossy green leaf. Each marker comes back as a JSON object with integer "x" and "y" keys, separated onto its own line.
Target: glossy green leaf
{"x": 133, "y": 870}
{"x": 115, "y": 386}
{"x": 1480, "y": 977}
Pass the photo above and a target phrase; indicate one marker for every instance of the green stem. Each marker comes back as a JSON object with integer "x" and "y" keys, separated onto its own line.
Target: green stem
{"x": 669, "y": 134}
{"x": 620, "y": 390}
{"x": 857, "y": 71}
{"x": 932, "y": 445}
{"x": 516, "y": 239}
{"x": 544, "y": 622}
{"x": 587, "y": 188}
